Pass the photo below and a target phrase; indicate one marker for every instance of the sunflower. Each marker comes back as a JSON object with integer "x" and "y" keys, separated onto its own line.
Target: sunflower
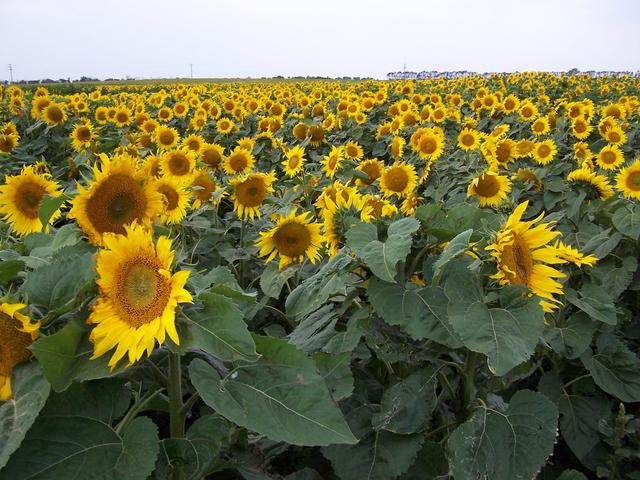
{"x": 178, "y": 164}
{"x": 138, "y": 295}
{"x": 580, "y": 128}
{"x": 166, "y": 137}
{"x": 573, "y": 255}
{"x": 540, "y": 126}
{"x": 397, "y": 147}
{"x": 116, "y": 198}
{"x": 528, "y": 176}
{"x": 399, "y": 179}
{"x": 239, "y": 161}
{"x": 544, "y": 152}
{"x": 331, "y": 162}
{"x": 152, "y": 166}
{"x": 499, "y": 152}
{"x": 17, "y": 334}
{"x": 628, "y": 181}
{"x": 8, "y": 142}
{"x": 468, "y": 139}
{"x": 582, "y": 152}
{"x": 410, "y": 204}
{"x": 317, "y": 133}
{"x": 523, "y": 255}
{"x": 21, "y": 197}
{"x": 348, "y": 209}
{"x": 249, "y": 191}
{"x": 122, "y": 117}
{"x": 212, "y": 155}
{"x": 490, "y": 188}
{"x": 54, "y": 114}
{"x": 175, "y": 198}
{"x": 81, "y": 136}
{"x": 370, "y": 171}
{"x": 247, "y": 143}
{"x": 597, "y": 186}
{"x": 428, "y": 143}
{"x": 293, "y": 238}
{"x": 225, "y": 126}
{"x": 610, "y": 157}
{"x": 615, "y": 135}
{"x": 353, "y": 151}
{"x": 379, "y": 207}
{"x": 194, "y": 143}
{"x": 300, "y": 131}
{"x": 294, "y": 160}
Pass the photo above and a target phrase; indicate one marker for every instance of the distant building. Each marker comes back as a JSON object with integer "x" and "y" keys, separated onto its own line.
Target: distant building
{"x": 432, "y": 74}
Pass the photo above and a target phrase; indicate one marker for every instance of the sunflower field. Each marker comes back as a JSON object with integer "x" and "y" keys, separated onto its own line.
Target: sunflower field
{"x": 310, "y": 280}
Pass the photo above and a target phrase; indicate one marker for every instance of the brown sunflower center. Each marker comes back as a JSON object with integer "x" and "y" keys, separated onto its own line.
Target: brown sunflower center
{"x": 171, "y": 197}
{"x": 372, "y": 170}
{"x": 468, "y": 140}
{"x": 122, "y": 117}
{"x": 166, "y": 137}
{"x": 294, "y": 161}
{"x": 207, "y": 186}
{"x": 211, "y": 157}
{"x": 251, "y": 193}
{"x": 544, "y": 150}
{"x": 55, "y": 114}
{"x": 292, "y": 239}
{"x": 614, "y": 137}
{"x": 352, "y": 151}
{"x": 396, "y": 179}
{"x": 238, "y": 162}
{"x": 428, "y": 145}
{"x": 179, "y": 164}
{"x": 608, "y": 157}
{"x": 117, "y": 202}
{"x": 518, "y": 259}
{"x": 84, "y": 134}
{"x": 580, "y": 127}
{"x": 503, "y": 152}
{"x": 142, "y": 292}
{"x": 28, "y": 198}
{"x": 13, "y": 348}
{"x": 488, "y": 186}
{"x": 633, "y": 181}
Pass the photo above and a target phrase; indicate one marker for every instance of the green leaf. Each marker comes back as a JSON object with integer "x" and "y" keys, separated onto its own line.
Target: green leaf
{"x": 359, "y": 235}
{"x": 456, "y": 246}
{"x": 9, "y": 270}
{"x": 315, "y": 330}
{"x": 382, "y": 257}
{"x": 336, "y": 371}
{"x": 140, "y": 448}
{"x": 615, "y": 369}
{"x": 408, "y": 405}
{"x": 281, "y": 396}
{"x": 627, "y": 221}
{"x": 571, "y": 475}
{"x": 48, "y": 207}
{"x": 272, "y": 279}
{"x": 30, "y": 392}
{"x": 430, "y": 463}
{"x": 219, "y": 329}
{"x": 56, "y": 284}
{"x": 509, "y": 445}
{"x": 65, "y": 356}
{"x": 595, "y": 302}
{"x": 507, "y": 336}
{"x": 574, "y": 337}
{"x": 579, "y": 422}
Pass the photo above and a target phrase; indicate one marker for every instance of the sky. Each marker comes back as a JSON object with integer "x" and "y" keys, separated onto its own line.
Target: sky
{"x": 263, "y": 38}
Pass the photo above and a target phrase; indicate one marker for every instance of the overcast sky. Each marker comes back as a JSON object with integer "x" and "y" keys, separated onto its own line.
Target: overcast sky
{"x": 255, "y": 38}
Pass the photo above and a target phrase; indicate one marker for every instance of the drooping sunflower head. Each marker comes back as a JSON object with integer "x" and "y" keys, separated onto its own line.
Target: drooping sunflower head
{"x": 490, "y": 188}
{"x": 249, "y": 192}
{"x": 138, "y": 295}
{"x": 628, "y": 181}
{"x": 212, "y": 155}
{"x": 294, "y": 161}
{"x": 372, "y": 169}
{"x": 21, "y": 197}
{"x": 179, "y": 164}
{"x": 593, "y": 185}
{"x": 399, "y": 179}
{"x": 528, "y": 177}
{"x": 175, "y": 196}
{"x": 348, "y": 209}
{"x": 17, "y": 334}
{"x": 238, "y": 162}
{"x": 116, "y": 198}
{"x": 293, "y": 238}
{"x": 522, "y": 252}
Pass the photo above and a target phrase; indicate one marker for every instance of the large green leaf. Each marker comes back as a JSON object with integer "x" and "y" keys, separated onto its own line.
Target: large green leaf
{"x": 507, "y": 335}
{"x": 336, "y": 371}
{"x": 509, "y": 445}
{"x": 273, "y": 279}
{"x": 407, "y": 405}
{"x": 615, "y": 369}
{"x": 595, "y": 302}
{"x": 579, "y": 421}
{"x": 456, "y": 246}
{"x": 422, "y": 313}
{"x": 430, "y": 463}
{"x": 30, "y": 392}
{"x": 574, "y": 337}
{"x": 218, "y": 328}
{"x": 382, "y": 257}
{"x": 627, "y": 221}
{"x": 314, "y": 331}
{"x": 281, "y": 396}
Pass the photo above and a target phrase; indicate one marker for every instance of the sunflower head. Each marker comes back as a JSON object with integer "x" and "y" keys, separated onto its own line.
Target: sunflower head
{"x": 490, "y": 188}
{"x": 178, "y": 164}
{"x": 17, "y": 334}
{"x": 138, "y": 295}
{"x": 294, "y": 160}
{"x": 249, "y": 192}
{"x": 239, "y": 161}
{"x": 166, "y": 137}
{"x": 628, "y": 181}
{"x": 175, "y": 196}
{"x": 399, "y": 179}
{"x": 54, "y": 114}
{"x": 593, "y": 185}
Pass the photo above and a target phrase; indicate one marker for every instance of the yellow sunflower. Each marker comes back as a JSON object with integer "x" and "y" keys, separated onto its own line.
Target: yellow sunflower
{"x": 597, "y": 185}
{"x": 628, "y": 181}
{"x": 331, "y": 162}
{"x": 54, "y": 114}
{"x": 117, "y": 197}
{"x": 21, "y": 197}
{"x": 239, "y": 161}
{"x": 81, "y": 136}
{"x": 523, "y": 256}
{"x": 399, "y": 179}
{"x": 8, "y": 142}
{"x": 178, "y": 164}
{"x": 138, "y": 295}
{"x": 293, "y": 238}
{"x": 544, "y": 152}
{"x": 610, "y": 157}
{"x": 175, "y": 198}
{"x": 468, "y": 139}
{"x": 166, "y": 137}
{"x": 349, "y": 208}
{"x": 428, "y": 143}
{"x": 203, "y": 187}
{"x": 194, "y": 143}
{"x": 397, "y": 147}
{"x": 249, "y": 191}
{"x": 17, "y": 334}
{"x": 225, "y": 126}
{"x": 294, "y": 160}
{"x": 372, "y": 169}
{"x": 212, "y": 155}
{"x": 353, "y": 151}
{"x": 490, "y": 188}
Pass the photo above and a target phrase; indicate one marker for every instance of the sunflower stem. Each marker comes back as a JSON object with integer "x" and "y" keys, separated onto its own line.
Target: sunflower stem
{"x": 468, "y": 384}
{"x": 176, "y": 416}
{"x": 137, "y": 407}
{"x": 242, "y": 260}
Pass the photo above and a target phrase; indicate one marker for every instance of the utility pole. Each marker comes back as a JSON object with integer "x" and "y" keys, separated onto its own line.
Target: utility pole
{"x": 191, "y": 69}
{"x": 11, "y": 72}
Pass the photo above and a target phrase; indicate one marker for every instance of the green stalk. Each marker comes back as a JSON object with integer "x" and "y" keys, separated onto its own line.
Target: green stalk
{"x": 468, "y": 384}
{"x": 242, "y": 261}
{"x": 176, "y": 418}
